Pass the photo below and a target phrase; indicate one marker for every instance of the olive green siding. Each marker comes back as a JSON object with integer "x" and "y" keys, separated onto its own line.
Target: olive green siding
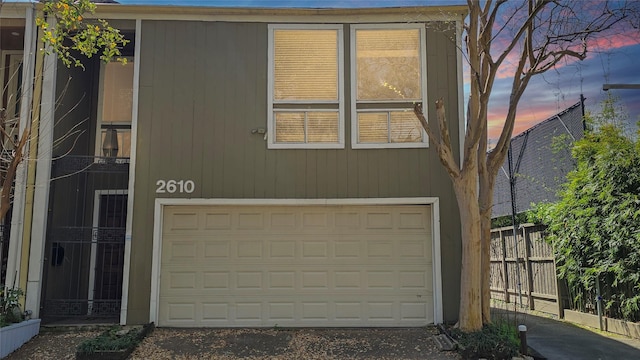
{"x": 203, "y": 88}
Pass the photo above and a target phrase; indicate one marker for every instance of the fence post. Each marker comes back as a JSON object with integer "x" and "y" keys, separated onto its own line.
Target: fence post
{"x": 527, "y": 247}
{"x": 507, "y": 298}
{"x": 557, "y": 282}
{"x": 599, "y": 302}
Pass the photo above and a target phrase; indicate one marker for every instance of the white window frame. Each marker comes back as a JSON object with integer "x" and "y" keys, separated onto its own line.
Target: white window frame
{"x": 99, "y": 123}
{"x": 304, "y": 105}
{"x": 13, "y": 92}
{"x": 354, "y": 87}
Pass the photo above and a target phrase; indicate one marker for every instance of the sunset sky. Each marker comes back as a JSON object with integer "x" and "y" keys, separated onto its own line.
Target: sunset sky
{"x": 614, "y": 60}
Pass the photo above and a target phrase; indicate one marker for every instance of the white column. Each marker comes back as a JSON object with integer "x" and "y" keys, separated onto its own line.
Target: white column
{"x": 132, "y": 175}
{"x": 17, "y": 218}
{"x": 41, "y": 195}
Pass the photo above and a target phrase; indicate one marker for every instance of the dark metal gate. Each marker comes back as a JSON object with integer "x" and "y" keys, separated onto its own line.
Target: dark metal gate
{"x": 84, "y": 253}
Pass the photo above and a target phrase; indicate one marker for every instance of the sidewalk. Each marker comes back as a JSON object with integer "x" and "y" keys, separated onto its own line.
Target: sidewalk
{"x": 558, "y": 339}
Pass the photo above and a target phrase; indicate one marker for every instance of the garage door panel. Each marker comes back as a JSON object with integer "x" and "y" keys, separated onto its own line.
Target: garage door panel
{"x": 215, "y": 312}
{"x": 296, "y": 266}
{"x": 217, "y": 221}
{"x": 332, "y": 218}
{"x": 321, "y": 311}
{"x": 378, "y": 248}
{"x": 216, "y": 250}
{"x": 216, "y": 280}
{"x": 283, "y": 221}
{"x": 183, "y": 221}
{"x": 249, "y": 249}
{"x": 181, "y": 312}
{"x": 281, "y": 249}
{"x": 382, "y": 278}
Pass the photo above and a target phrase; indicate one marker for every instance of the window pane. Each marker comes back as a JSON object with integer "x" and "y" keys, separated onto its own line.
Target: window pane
{"x": 405, "y": 127}
{"x": 117, "y": 96}
{"x": 289, "y": 127}
{"x": 373, "y": 128}
{"x": 388, "y": 64}
{"x": 306, "y": 65}
{"x": 322, "y": 127}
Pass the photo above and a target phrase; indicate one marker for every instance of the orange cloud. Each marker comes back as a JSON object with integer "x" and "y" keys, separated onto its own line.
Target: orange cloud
{"x": 607, "y": 43}
{"x": 524, "y": 120}
{"x": 595, "y": 45}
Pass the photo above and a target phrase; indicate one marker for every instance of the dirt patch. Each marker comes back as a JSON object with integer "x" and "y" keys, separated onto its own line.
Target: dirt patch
{"x": 289, "y": 344}
{"x": 256, "y": 344}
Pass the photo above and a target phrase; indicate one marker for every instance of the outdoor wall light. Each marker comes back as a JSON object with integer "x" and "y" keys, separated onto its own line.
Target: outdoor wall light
{"x": 110, "y": 143}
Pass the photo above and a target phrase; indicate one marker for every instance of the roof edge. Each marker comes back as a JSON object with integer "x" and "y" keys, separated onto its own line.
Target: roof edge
{"x": 552, "y": 117}
{"x": 450, "y": 11}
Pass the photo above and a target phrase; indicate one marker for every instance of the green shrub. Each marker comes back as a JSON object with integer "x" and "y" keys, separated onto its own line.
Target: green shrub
{"x": 595, "y": 225}
{"x": 10, "y": 306}
{"x": 498, "y": 340}
{"x": 111, "y": 340}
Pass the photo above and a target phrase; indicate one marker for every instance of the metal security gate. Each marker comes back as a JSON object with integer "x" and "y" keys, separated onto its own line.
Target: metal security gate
{"x": 84, "y": 254}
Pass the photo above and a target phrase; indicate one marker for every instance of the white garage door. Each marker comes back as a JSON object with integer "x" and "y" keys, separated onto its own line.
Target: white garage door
{"x": 226, "y": 266}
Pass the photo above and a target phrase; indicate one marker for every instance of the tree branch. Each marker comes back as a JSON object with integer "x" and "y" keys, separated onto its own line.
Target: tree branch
{"x": 443, "y": 144}
{"x": 5, "y": 194}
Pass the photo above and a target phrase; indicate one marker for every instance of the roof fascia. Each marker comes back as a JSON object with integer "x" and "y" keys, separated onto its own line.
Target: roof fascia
{"x": 360, "y": 15}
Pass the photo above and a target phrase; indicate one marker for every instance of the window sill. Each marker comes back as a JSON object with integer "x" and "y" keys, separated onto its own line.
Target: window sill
{"x": 304, "y": 146}
{"x": 391, "y": 146}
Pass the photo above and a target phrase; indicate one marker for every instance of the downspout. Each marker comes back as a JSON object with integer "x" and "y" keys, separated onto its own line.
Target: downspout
{"x": 31, "y": 164}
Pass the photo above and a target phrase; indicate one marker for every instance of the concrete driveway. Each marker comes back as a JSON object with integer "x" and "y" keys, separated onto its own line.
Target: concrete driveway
{"x": 557, "y": 339}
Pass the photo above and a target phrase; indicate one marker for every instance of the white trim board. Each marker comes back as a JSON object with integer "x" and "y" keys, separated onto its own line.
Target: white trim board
{"x": 132, "y": 176}
{"x": 160, "y": 203}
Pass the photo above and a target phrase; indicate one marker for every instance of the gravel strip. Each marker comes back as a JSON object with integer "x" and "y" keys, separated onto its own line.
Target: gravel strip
{"x": 289, "y": 344}
{"x": 256, "y": 344}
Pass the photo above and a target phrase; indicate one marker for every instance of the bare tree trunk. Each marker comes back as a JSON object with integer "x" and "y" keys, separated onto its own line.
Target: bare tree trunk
{"x": 465, "y": 186}
{"x": 466, "y": 191}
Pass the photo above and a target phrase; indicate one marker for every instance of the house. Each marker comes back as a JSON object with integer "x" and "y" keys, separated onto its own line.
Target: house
{"x": 247, "y": 167}
{"x": 541, "y": 160}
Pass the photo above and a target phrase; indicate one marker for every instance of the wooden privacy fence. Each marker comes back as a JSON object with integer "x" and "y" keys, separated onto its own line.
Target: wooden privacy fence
{"x": 533, "y": 264}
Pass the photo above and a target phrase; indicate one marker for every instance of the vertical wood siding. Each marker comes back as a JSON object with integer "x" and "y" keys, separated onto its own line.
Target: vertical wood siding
{"x": 203, "y": 88}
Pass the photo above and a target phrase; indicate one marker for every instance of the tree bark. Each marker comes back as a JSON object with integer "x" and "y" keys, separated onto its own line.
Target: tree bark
{"x": 485, "y": 201}
{"x": 466, "y": 191}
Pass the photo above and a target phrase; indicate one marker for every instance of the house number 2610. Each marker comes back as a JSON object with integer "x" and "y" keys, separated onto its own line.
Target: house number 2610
{"x": 175, "y": 186}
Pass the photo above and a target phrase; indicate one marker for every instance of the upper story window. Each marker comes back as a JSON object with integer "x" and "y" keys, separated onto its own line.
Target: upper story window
{"x": 115, "y": 105}
{"x": 305, "y": 86}
{"x": 387, "y": 74}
